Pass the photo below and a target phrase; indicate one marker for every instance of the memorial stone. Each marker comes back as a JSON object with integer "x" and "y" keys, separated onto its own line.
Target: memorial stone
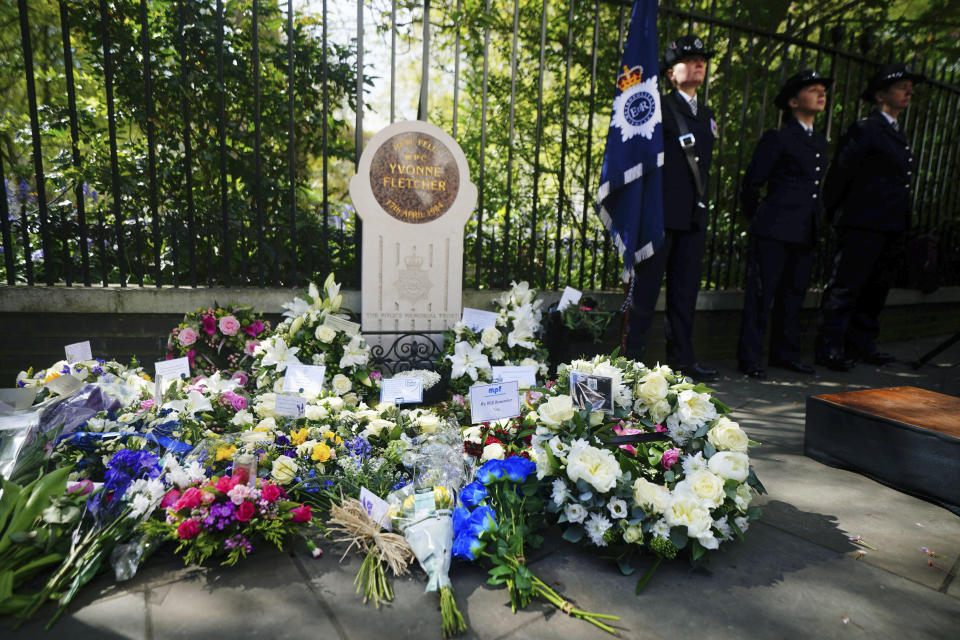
{"x": 413, "y": 192}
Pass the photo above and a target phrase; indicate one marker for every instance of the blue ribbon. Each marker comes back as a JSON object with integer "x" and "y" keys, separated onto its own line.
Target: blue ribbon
{"x": 169, "y": 444}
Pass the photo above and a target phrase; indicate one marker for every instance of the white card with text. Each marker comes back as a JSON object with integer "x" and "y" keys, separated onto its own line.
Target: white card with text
{"x": 304, "y": 378}
{"x": 478, "y": 320}
{"x": 376, "y": 507}
{"x": 172, "y": 369}
{"x": 341, "y": 324}
{"x": 78, "y": 351}
{"x": 526, "y": 376}
{"x": 401, "y": 390}
{"x": 570, "y": 296}
{"x": 290, "y": 405}
{"x": 490, "y": 402}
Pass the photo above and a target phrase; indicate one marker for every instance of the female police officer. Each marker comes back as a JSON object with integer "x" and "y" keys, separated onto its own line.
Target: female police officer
{"x": 784, "y": 225}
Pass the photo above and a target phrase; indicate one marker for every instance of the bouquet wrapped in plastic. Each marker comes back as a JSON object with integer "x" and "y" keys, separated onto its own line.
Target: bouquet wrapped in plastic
{"x": 423, "y": 510}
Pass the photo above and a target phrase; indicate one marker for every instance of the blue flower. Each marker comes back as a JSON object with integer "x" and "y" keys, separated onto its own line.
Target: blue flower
{"x": 490, "y": 472}
{"x": 473, "y": 494}
{"x": 517, "y": 468}
{"x": 483, "y": 519}
{"x": 461, "y": 520}
{"x": 466, "y": 547}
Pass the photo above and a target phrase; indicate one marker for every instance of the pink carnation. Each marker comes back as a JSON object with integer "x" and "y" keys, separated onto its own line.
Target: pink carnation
{"x": 225, "y": 484}
{"x": 229, "y": 325}
{"x": 146, "y": 404}
{"x": 271, "y": 492}
{"x": 241, "y": 378}
{"x": 239, "y": 493}
{"x": 209, "y": 324}
{"x": 187, "y": 337}
{"x": 188, "y": 529}
{"x": 301, "y": 513}
{"x": 669, "y": 458}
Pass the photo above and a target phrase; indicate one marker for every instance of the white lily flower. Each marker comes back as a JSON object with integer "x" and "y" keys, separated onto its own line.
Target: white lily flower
{"x": 468, "y": 360}
{"x": 195, "y": 402}
{"x": 296, "y": 307}
{"x": 355, "y": 353}
{"x": 278, "y": 353}
{"x": 215, "y": 385}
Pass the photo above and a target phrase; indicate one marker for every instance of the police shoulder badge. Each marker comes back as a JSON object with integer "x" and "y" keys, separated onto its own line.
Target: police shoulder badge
{"x": 713, "y": 127}
{"x": 636, "y": 109}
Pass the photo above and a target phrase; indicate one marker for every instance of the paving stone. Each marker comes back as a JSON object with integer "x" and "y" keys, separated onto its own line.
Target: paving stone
{"x": 116, "y": 617}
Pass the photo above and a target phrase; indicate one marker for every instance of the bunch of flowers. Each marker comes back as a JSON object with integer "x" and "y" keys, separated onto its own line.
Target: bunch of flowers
{"x": 499, "y": 519}
{"x": 225, "y": 515}
{"x": 217, "y": 338}
{"x": 87, "y": 371}
{"x": 501, "y": 439}
{"x": 306, "y": 337}
{"x": 669, "y": 473}
{"x": 468, "y": 356}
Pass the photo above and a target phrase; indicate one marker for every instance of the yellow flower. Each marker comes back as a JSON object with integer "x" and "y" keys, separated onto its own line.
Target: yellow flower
{"x": 51, "y": 376}
{"x": 321, "y": 453}
{"x": 226, "y": 453}
{"x": 146, "y": 377}
{"x": 441, "y": 497}
{"x": 329, "y": 435}
{"x": 298, "y": 437}
{"x": 409, "y": 502}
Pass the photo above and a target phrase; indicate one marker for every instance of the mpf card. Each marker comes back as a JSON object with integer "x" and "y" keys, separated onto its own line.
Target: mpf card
{"x": 290, "y": 405}
{"x": 526, "y": 376}
{"x": 401, "y": 390}
{"x": 490, "y": 402}
{"x": 341, "y": 324}
{"x": 173, "y": 369}
{"x": 78, "y": 351}
{"x": 376, "y": 508}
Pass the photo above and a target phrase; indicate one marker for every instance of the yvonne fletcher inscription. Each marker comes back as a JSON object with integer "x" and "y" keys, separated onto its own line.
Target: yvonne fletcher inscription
{"x": 414, "y": 177}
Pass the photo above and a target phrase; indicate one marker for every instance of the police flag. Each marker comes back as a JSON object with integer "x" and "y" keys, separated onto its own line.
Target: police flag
{"x": 630, "y": 197}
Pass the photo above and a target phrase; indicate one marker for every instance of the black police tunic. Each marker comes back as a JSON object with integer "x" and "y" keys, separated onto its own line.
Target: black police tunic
{"x": 681, "y": 209}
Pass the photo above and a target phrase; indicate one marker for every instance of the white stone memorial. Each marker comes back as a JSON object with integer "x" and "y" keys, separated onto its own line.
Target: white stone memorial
{"x": 413, "y": 192}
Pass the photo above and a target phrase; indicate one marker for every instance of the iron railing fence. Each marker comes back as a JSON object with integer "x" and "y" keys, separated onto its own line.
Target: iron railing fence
{"x": 210, "y": 143}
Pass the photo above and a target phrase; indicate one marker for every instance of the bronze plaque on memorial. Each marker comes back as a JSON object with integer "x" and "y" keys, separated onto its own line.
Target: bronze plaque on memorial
{"x": 414, "y": 177}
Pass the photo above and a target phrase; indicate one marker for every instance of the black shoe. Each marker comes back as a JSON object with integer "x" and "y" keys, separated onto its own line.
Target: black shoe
{"x": 834, "y": 362}
{"x": 877, "y": 357}
{"x": 753, "y": 371}
{"x": 793, "y": 365}
{"x": 696, "y": 371}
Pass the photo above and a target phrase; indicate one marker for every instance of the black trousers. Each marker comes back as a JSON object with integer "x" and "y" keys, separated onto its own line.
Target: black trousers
{"x": 680, "y": 258}
{"x": 778, "y": 274}
{"x": 863, "y": 271}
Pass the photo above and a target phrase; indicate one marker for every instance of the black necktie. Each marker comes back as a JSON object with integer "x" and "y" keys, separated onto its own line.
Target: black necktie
{"x": 693, "y": 106}
{"x": 895, "y": 125}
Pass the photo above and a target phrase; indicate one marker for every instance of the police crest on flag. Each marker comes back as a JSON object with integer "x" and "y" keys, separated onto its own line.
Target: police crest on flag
{"x": 636, "y": 109}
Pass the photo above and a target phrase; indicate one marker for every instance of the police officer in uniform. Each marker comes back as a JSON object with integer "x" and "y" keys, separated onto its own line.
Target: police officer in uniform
{"x": 868, "y": 193}
{"x": 688, "y": 134}
{"x": 784, "y": 226}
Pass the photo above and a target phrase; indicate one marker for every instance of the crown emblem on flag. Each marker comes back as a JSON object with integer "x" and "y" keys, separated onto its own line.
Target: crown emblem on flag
{"x": 629, "y": 77}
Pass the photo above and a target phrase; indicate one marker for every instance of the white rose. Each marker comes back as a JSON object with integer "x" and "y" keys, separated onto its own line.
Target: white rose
{"x": 325, "y": 334}
{"x": 597, "y": 467}
{"x": 529, "y": 362}
{"x": 267, "y": 424}
{"x": 428, "y": 423}
{"x": 493, "y": 451}
{"x": 660, "y": 411}
{"x": 254, "y": 436}
{"x": 596, "y": 418}
{"x": 706, "y": 486}
{"x": 489, "y": 337}
{"x": 649, "y": 495}
{"x": 730, "y": 465}
{"x": 341, "y": 384}
{"x": 284, "y": 469}
{"x": 556, "y": 410}
{"x": 378, "y": 425}
{"x": 385, "y": 406}
{"x": 632, "y": 533}
{"x": 351, "y": 399}
{"x": 575, "y": 512}
{"x": 686, "y": 510}
{"x": 472, "y": 434}
{"x": 652, "y": 389}
{"x": 242, "y": 418}
{"x": 306, "y": 449}
{"x": 726, "y": 435}
{"x": 315, "y": 412}
{"x": 744, "y": 496}
{"x": 694, "y": 409}
{"x": 496, "y": 353}
{"x": 333, "y": 403}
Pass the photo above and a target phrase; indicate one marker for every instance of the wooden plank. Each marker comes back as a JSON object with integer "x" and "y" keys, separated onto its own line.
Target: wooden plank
{"x": 907, "y": 405}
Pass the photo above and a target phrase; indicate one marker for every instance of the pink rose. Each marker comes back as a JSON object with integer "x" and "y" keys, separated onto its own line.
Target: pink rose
{"x": 170, "y": 499}
{"x": 241, "y": 378}
{"x": 245, "y": 511}
{"x": 146, "y": 404}
{"x": 225, "y": 484}
{"x": 250, "y": 346}
{"x": 301, "y": 513}
{"x": 190, "y": 499}
{"x": 187, "y": 337}
{"x": 229, "y": 325}
{"x": 81, "y": 488}
{"x": 670, "y": 457}
{"x": 209, "y": 324}
{"x": 239, "y": 403}
{"x": 188, "y": 529}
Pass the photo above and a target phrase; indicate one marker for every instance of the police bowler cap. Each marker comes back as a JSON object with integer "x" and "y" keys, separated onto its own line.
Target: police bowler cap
{"x": 798, "y": 81}
{"x": 886, "y": 77}
{"x": 682, "y": 48}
